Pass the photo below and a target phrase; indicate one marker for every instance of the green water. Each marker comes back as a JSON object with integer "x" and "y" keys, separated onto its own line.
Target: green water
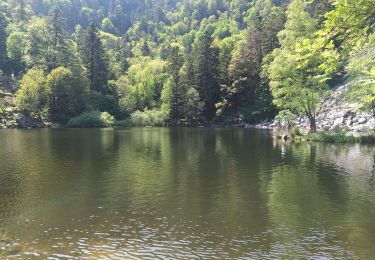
{"x": 183, "y": 194}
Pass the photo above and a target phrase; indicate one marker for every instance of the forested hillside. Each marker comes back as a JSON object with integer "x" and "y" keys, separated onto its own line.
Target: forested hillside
{"x": 184, "y": 62}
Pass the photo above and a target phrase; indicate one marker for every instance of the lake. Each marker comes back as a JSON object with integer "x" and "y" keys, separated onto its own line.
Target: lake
{"x": 183, "y": 194}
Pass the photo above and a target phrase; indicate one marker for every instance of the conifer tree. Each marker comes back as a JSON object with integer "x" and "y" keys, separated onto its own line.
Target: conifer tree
{"x": 177, "y": 89}
{"x": 59, "y": 43}
{"x": 94, "y": 60}
{"x": 206, "y": 71}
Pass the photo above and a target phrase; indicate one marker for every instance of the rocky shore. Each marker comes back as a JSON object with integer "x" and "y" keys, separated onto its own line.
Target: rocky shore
{"x": 334, "y": 112}
{"x": 11, "y": 118}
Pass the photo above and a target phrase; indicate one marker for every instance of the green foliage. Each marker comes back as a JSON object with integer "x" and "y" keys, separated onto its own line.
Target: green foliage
{"x": 206, "y": 71}
{"x": 33, "y": 94}
{"x": 3, "y": 40}
{"x": 92, "y": 119}
{"x": 148, "y": 118}
{"x": 297, "y": 78}
{"x": 16, "y": 48}
{"x": 67, "y": 95}
{"x": 361, "y": 70}
{"x": 336, "y": 135}
{"x": 295, "y": 133}
{"x": 220, "y": 60}
{"x": 142, "y": 85}
{"x": 104, "y": 102}
{"x": 349, "y": 23}
{"x": 107, "y": 25}
{"x": 286, "y": 118}
{"x": 48, "y": 45}
{"x": 94, "y": 59}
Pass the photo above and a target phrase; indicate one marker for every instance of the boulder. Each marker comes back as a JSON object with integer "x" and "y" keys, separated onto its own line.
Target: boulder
{"x": 362, "y": 120}
{"x": 26, "y": 121}
{"x": 371, "y": 124}
{"x": 338, "y": 121}
{"x": 350, "y": 114}
{"x": 359, "y": 128}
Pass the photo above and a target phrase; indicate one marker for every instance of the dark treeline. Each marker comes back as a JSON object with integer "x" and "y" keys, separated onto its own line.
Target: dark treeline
{"x": 184, "y": 62}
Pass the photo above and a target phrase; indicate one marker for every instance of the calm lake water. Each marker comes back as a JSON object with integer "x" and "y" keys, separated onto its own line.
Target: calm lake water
{"x": 183, "y": 193}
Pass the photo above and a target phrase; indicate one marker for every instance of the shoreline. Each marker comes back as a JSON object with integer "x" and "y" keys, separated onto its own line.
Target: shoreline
{"x": 337, "y": 135}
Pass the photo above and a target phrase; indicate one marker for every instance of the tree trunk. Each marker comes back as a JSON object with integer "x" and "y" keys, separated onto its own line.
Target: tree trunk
{"x": 312, "y": 123}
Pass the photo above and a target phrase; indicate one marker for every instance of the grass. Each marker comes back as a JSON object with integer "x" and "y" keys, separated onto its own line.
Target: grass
{"x": 336, "y": 135}
{"x": 341, "y": 135}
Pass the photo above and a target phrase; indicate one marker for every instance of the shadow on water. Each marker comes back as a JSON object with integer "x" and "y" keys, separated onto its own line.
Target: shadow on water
{"x": 184, "y": 193}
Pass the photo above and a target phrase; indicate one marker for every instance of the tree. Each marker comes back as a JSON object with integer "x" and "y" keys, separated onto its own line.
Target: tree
{"x": 67, "y": 94}
{"x": 16, "y": 49}
{"x": 94, "y": 60}
{"x": 297, "y": 79}
{"x": 3, "y": 46}
{"x": 177, "y": 91}
{"x": 59, "y": 44}
{"x": 145, "y": 49}
{"x": 107, "y": 25}
{"x": 48, "y": 45}
{"x": 348, "y": 24}
{"x": 33, "y": 94}
{"x": 244, "y": 95}
{"x": 193, "y": 105}
{"x": 361, "y": 69}
{"x": 20, "y": 14}
{"x": 206, "y": 71}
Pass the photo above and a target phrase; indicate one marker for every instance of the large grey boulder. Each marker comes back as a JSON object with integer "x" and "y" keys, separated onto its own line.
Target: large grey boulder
{"x": 362, "y": 120}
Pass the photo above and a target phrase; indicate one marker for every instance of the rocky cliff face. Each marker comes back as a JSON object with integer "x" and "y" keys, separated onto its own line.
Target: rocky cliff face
{"x": 11, "y": 118}
{"x": 336, "y": 111}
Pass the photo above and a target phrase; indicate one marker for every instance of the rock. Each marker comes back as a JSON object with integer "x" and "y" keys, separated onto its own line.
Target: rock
{"x": 338, "y": 121}
{"x": 349, "y": 122}
{"x": 24, "y": 121}
{"x": 350, "y": 114}
{"x": 359, "y": 128}
{"x": 371, "y": 123}
{"x": 362, "y": 120}
{"x": 355, "y": 120}
{"x": 8, "y": 94}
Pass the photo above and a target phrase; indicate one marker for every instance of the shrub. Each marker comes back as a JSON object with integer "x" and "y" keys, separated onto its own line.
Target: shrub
{"x": 336, "y": 135}
{"x": 91, "y": 120}
{"x": 295, "y": 132}
{"x": 286, "y": 118}
{"x": 103, "y": 102}
{"x": 149, "y": 118}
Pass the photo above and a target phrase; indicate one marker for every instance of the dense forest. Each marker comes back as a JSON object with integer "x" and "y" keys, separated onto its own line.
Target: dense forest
{"x": 184, "y": 62}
